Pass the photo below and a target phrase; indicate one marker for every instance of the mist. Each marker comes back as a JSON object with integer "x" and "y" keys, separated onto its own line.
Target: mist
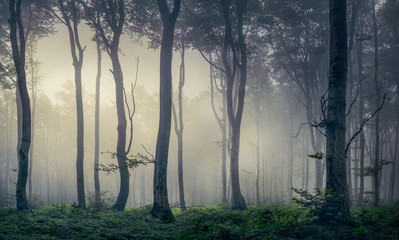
{"x": 176, "y": 105}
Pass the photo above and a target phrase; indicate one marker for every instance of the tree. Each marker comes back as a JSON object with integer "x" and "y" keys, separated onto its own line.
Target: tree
{"x": 110, "y": 31}
{"x": 179, "y": 126}
{"x": 18, "y": 52}
{"x": 238, "y": 52}
{"x": 378, "y": 86}
{"x": 300, "y": 56}
{"x": 335, "y": 116}
{"x": 71, "y": 18}
{"x": 97, "y": 116}
{"x": 161, "y": 208}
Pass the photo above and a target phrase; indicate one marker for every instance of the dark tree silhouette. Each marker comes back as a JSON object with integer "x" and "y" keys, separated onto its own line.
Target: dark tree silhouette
{"x": 161, "y": 208}
{"x": 238, "y": 51}
{"x": 335, "y": 118}
{"x": 70, "y": 17}
{"x": 17, "y": 38}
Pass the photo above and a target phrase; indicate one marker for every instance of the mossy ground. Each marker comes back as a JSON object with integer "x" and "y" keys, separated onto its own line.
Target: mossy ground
{"x": 267, "y": 222}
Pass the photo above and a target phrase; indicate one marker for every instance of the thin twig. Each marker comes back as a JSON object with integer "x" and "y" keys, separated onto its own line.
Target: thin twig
{"x": 364, "y": 122}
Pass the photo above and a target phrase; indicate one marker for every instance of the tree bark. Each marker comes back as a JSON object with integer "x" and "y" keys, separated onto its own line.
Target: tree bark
{"x": 377, "y": 172}
{"x": 115, "y": 18}
{"x": 161, "y": 208}
{"x": 361, "y": 106}
{"x": 235, "y": 108}
{"x": 97, "y": 124}
{"x": 179, "y": 126}
{"x": 71, "y": 22}
{"x": 18, "y": 52}
{"x": 222, "y": 122}
{"x": 335, "y": 122}
{"x": 258, "y": 121}
{"x": 120, "y": 148}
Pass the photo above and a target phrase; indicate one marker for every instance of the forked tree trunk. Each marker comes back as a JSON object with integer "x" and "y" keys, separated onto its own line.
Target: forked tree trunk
{"x": 18, "y": 52}
{"x": 235, "y": 108}
{"x": 71, "y": 21}
{"x": 335, "y": 122}
{"x": 161, "y": 208}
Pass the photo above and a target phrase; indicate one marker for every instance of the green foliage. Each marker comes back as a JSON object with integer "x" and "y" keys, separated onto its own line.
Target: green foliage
{"x": 64, "y": 221}
{"x": 101, "y": 202}
{"x": 318, "y": 155}
{"x": 313, "y": 202}
{"x": 371, "y": 171}
{"x": 132, "y": 162}
{"x": 35, "y": 202}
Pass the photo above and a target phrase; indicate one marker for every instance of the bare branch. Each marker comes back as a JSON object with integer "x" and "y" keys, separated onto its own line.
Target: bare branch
{"x": 364, "y": 122}
{"x": 353, "y": 102}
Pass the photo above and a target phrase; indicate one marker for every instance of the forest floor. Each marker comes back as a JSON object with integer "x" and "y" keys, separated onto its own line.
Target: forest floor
{"x": 267, "y": 222}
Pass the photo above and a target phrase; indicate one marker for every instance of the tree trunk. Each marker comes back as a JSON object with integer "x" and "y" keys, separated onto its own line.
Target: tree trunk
{"x": 7, "y": 177}
{"x": 235, "y": 108}
{"x": 393, "y": 168}
{"x": 258, "y": 121}
{"x": 120, "y": 203}
{"x": 377, "y": 171}
{"x": 179, "y": 126}
{"x": 161, "y": 208}
{"x": 97, "y": 126}
{"x": 71, "y": 21}
{"x": 18, "y": 52}
{"x": 361, "y": 106}
{"x": 291, "y": 163}
{"x": 335, "y": 122}
{"x": 223, "y": 128}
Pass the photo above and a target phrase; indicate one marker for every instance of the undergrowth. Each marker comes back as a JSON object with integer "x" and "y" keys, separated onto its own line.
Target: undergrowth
{"x": 267, "y": 222}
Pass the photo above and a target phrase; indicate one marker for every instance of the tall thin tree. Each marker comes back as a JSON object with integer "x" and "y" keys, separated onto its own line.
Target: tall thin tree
{"x": 235, "y": 106}
{"x": 70, "y": 18}
{"x": 179, "y": 126}
{"x": 17, "y": 38}
{"x": 161, "y": 208}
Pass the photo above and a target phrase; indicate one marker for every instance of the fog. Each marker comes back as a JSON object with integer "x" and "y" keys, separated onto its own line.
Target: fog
{"x": 278, "y": 128}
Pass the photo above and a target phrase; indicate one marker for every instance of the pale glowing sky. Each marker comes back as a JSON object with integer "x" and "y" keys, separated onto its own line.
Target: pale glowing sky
{"x": 54, "y": 54}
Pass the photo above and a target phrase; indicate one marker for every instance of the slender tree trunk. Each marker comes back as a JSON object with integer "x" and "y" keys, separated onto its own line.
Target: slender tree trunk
{"x": 223, "y": 128}
{"x": 80, "y": 136}
{"x": 97, "y": 126}
{"x": 120, "y": 203}
{"x": 393, "y": 168}
{"x": 33, "y": 92}
{"x": 291, "y": 159}
{"x": 7, "y": 177}
{"x": 335, "y": 122}
{"x": 258, "y": 121}
{"x": 143, "y": 188}
{"x": 179, "y": 127}
{"x": 161, "y": 208}
{"x": 235, "y": 108}
{"x": 71, "y": 21}
{"x": 377, "y": 171}
{"x": 47, "y": 166}
{"x": 307, "y": 165}
{"x": 361, "y": 106}
{"x": 18, "y": 52}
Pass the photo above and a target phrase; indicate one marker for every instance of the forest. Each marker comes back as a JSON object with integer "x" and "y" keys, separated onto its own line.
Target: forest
{"x": 199, "y": 119}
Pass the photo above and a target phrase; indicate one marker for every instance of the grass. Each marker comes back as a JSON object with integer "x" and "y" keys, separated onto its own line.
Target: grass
{"x": 268, "y": 222}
